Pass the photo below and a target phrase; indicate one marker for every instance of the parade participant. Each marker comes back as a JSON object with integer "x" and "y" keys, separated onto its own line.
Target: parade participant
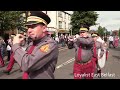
{"x": 62, "y": 39}
{"x": 40, "y": 59}
{"x": 105, "y": 38}
{"x": 105, "y": 45}
{"x": 99, "y": 39}
{"x": 116, "y": 41}
{"x": 111, "y": 39}
{"x": 98, "y": 45}
{"x": 12, "y": 60}
{"x": 70, "y": 42}
{"x": 1, "y": 61}
{"x": 106, "y": 49}
{"x": 1, "y": 57}
{"x": 3, "y": 48}
{"x": 9, "y": 51}
{"x": 10, "y": 65}
{"x": 85, "y": 55}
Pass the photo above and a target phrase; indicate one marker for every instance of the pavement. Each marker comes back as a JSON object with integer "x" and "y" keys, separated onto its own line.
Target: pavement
{"x": 64, "y": 67}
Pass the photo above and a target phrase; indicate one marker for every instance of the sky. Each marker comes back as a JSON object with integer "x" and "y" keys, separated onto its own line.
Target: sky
{"x": 108, "y": 19}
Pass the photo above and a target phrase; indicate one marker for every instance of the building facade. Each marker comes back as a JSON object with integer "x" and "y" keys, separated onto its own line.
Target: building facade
{"x": 60, "y": 22}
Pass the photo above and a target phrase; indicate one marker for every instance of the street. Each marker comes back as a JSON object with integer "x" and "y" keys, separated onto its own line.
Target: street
{"x": 64, "y": 68}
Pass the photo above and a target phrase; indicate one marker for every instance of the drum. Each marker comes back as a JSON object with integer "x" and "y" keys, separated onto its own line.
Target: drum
{"x": 101, "y": 61}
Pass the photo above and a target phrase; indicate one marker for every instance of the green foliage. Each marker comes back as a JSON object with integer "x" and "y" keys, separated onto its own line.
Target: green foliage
{"x": 9, "y": 20}
{"x": 108, "y": 32}
{"x": 82, "y": 17}
{"x": 102, "y": 31}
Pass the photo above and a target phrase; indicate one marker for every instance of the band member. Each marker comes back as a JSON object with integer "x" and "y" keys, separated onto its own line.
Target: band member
{"x": 98, "y": 45}
{"x": 85, "y": 55}
{"x": 105, "y": 45}
{"x": 2, "y": 64}
{"x": 40, "y": 59}
{"x": 12, "y": 61}
{"x": 116, "y": 41}
{"x": 107, "y": 50}
{"x": 70, "y": 42}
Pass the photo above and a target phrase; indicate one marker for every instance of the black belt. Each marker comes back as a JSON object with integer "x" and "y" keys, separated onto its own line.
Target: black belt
{"x": 83, "y": 63}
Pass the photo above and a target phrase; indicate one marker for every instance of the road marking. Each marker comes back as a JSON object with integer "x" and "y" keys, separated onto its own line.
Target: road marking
{"x": 65, "y": 63}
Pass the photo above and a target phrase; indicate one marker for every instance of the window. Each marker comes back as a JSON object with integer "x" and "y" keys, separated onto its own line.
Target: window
{"x": 69, "y": 25}
{"x": 65, "y": 25}
{"x": 65, "y": 15}
{"x": 59, "y": 14}
{"x": 68, "y": 17}
{"x": 60, "y": 24}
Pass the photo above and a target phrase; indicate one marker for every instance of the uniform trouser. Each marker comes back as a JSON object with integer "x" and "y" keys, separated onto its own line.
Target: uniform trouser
{"x": 1, "y": 60}
{"x": 116, "y": 43}
{"x": 11, "y": 63}
{"x": 63, "y": 43}
{"x": 106, "y": 55}
{"x": 84, "y": 71}
{"x": 111, "y": 42}
{"x": 9, "y": 53}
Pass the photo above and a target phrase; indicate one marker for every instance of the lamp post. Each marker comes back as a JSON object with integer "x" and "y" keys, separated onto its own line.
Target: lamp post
{"x": 71, "y": 32}
{"x": 70, "y": 29}
{"x": 105, "y": 32}
{"x": 46, "y": 12}
{"x": 26, "y": 15}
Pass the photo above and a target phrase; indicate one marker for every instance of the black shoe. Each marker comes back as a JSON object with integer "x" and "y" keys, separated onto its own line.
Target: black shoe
{"x": 6, "y": 72}
{"x": 99, "y": 72}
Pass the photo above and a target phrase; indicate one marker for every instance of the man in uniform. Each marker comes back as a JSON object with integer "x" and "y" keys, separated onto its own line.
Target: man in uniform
{"x": 2, "y": 64}
{"x": 84, "y": 64}
{"x": 40, "y": 59}
{"x": 98, "y": 45}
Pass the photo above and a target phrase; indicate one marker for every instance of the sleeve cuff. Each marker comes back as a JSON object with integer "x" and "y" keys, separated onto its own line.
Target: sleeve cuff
{"x": 15, "y": 47}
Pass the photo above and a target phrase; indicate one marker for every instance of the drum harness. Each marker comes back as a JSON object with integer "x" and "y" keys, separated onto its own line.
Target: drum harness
{"x": 79, "y": 55}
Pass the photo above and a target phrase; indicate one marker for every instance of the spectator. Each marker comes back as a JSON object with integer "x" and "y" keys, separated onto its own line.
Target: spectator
{"x": 111, "y": 39}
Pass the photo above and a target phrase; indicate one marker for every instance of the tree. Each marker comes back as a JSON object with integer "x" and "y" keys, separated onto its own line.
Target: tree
{"x": 102, "y": 31}
{"x": 82, "y": 17}
{"x": 108, "y": 32}
{"x": 10, "y": 20}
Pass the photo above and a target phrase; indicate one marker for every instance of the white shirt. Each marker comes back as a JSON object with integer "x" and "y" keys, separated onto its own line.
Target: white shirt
{"x": 100, "y": 40}
{"x": 57, "y": 39}
{"x": 111, "y": 38}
